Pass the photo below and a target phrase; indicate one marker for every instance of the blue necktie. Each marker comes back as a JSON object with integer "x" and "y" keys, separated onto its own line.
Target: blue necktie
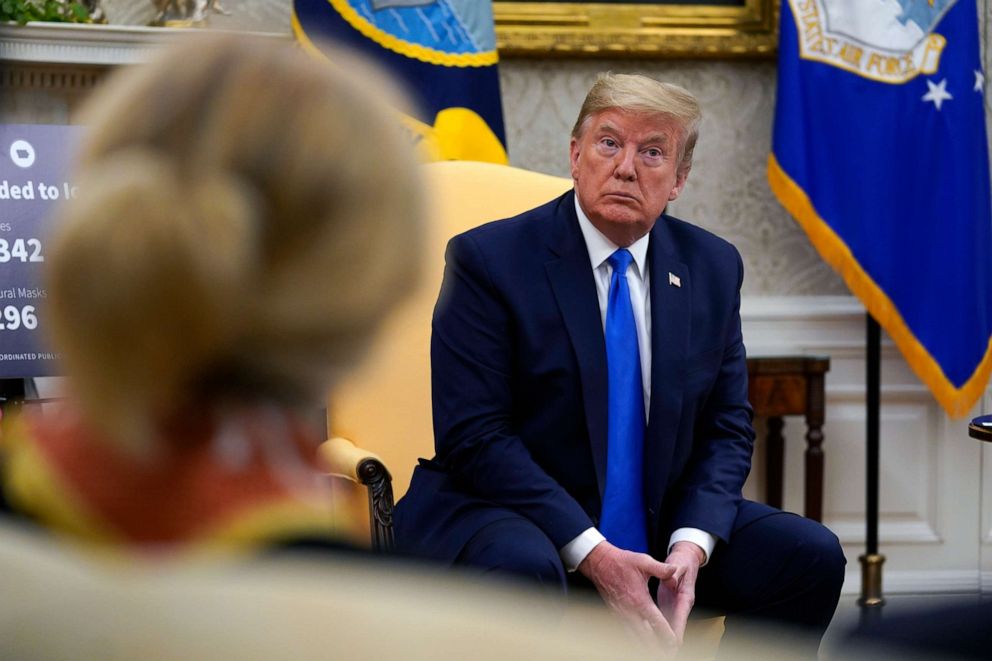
{"x": 623, "y": 521}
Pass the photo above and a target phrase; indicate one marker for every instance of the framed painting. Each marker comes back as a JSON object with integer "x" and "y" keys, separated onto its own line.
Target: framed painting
{"x": 637, "y": 28}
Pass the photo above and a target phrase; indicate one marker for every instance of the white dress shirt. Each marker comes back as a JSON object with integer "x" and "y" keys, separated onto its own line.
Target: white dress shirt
{"x": 638, "y": 281}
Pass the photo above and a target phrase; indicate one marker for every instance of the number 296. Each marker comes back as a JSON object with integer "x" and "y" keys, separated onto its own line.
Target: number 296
{"x": 14, "y": 317}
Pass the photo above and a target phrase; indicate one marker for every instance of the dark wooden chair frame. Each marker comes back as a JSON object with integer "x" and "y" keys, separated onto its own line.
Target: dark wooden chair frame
{"x": 376, "y": 478}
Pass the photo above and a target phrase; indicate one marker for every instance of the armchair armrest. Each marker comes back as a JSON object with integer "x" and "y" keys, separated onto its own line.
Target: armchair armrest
{"x": 343, "y": 458}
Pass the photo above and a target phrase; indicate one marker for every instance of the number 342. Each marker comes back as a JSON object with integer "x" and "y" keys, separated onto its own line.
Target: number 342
{"x": 28, "y": 250}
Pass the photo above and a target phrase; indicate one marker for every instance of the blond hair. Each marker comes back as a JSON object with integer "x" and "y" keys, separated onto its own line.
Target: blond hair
{"x": 247, "y": 216}
{"x": 640, "y": 94}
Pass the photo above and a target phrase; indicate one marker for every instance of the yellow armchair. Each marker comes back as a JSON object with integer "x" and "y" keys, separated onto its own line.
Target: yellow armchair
{"x": 385, "y": 406}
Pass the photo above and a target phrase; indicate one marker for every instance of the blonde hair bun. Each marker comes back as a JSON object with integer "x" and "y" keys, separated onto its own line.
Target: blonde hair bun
{"x": 244, "y": 223}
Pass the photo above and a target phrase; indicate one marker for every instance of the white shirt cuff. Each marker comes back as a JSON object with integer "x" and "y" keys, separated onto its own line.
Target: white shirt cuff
{"x": 700, "y": 538}
{"x": 573, "y": 553}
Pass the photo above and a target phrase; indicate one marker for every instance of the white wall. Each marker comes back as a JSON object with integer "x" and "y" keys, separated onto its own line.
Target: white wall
{"x": 931, "y": 471}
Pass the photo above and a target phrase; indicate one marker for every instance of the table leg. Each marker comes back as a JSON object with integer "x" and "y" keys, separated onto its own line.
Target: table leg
{"x": 774, "y": 460}
{"x": 814, "y": 449}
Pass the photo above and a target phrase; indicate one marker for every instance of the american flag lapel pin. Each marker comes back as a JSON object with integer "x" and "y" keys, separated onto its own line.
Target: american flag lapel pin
{"x": 674, "y": 280}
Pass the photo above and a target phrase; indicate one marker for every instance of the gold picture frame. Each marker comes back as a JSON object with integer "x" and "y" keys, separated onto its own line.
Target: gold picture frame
{"x": 748, "y": 28}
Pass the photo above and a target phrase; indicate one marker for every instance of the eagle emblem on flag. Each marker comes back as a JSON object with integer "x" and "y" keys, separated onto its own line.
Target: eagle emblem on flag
{"x": 890, "y": 41}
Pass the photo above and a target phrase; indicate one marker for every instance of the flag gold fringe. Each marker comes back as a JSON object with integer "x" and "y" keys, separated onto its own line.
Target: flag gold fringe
{"x": 458, "y": 134}
{"x": 409, "y": 49}
{"x": 956, "y": 401}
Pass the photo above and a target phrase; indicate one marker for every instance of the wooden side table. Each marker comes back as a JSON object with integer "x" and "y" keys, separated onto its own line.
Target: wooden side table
{"x": 791, "y": 385}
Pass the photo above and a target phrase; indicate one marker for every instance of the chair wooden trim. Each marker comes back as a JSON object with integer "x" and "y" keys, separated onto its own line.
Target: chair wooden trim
{"x": 343, "y": 458}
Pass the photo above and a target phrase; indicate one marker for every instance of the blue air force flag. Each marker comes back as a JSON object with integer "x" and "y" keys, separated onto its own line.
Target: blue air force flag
{"x": 443, "y": 50}
{"x": 879, "y": 152}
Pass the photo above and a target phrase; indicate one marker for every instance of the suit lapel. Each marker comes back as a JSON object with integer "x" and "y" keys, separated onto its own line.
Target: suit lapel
{"x": 571, "y": 278}
{"x": 671, "y": 313}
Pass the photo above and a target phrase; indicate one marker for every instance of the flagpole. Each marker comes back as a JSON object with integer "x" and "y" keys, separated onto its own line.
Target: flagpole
{"x": 872, "y": 560}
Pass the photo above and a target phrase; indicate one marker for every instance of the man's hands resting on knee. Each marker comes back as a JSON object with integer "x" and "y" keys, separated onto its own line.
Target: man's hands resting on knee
{"x": 677, "y": 593}
{"x": 621, "y": 577}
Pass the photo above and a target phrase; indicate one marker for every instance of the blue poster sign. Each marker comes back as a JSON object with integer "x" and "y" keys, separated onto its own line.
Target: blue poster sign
{"x": 33, "y": 180}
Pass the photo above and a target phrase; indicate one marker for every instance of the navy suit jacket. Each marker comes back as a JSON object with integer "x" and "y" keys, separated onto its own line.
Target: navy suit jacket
{"x": 519, "y": 386}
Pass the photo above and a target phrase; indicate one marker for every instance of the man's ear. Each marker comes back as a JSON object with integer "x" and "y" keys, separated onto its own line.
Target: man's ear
{"x": 573, "y": 157}
{"x": 680, "y": 179}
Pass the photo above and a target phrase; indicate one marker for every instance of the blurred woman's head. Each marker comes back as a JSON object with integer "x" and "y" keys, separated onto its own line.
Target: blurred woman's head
{"x": 247, "y": 215}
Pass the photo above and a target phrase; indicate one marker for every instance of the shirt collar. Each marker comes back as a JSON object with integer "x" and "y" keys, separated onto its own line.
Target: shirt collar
{"x": 600, "y": 248}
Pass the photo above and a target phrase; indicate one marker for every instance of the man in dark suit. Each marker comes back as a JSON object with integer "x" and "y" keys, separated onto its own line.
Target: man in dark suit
{"x": 590, "y": 395}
